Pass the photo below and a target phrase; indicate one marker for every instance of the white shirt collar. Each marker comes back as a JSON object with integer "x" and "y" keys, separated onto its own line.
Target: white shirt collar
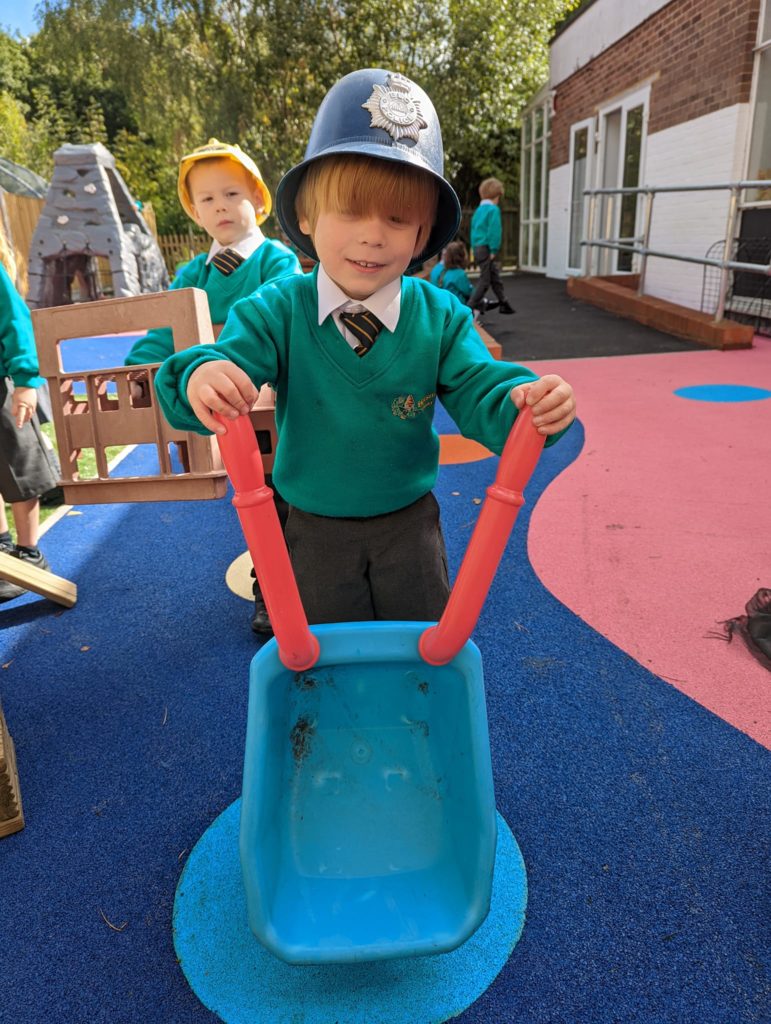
{"x": 385, "y": 303}
{"x": 249, "y": 244}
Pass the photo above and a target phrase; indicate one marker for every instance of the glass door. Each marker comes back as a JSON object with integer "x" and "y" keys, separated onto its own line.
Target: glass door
{"x": 581, "y": 176}
{"x": 623, "y": 128}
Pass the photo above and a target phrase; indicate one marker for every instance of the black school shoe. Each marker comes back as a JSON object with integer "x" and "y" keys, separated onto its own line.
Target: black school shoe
{"x": 8, "y": 590}
{"x": 260, "y": 620}
{"x": 506, "y": 307}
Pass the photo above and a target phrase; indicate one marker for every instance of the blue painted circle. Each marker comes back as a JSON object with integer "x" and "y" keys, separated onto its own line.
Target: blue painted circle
{"x": 723, "y": 393}
{"x": 243, "y": 983}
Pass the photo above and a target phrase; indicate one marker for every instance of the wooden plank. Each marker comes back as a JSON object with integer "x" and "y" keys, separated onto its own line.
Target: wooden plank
{"x": 11, "y": 813}
{"x": 55, "y": 588}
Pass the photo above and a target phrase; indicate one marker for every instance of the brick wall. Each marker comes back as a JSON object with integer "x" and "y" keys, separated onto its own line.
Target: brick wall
{"x": 700, "y": 51}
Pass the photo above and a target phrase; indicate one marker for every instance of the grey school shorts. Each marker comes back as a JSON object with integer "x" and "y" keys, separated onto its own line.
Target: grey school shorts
{"x": 392, "y": 566}
{"x": 26, "y": 468}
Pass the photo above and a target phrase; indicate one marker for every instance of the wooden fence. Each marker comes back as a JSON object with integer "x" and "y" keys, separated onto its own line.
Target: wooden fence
{"x": 18, "y": 219}
{"x": 181, "y": 248}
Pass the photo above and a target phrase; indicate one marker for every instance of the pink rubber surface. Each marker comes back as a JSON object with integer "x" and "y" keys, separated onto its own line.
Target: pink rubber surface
{"x": 662, "y": 526}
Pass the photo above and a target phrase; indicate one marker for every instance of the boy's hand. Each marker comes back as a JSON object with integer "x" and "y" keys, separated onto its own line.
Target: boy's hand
{"x": 220, "y": 386}
{"x": 551, "y": 399}
{"x": 139, "y": 388}
{"x": 23, "y": 405}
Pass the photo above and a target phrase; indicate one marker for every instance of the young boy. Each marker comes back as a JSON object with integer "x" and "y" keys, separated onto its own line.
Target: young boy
{"x": 26, "y": 468}
{"x": 486, "y": 243}
{"x": 222, "y": 190}
{"x": 359, "y": 354}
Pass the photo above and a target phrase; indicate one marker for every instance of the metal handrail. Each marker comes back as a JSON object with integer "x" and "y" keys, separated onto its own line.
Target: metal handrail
{"x": 726, "y": 264}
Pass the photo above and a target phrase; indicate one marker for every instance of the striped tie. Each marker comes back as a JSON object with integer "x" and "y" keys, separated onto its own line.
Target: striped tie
{"x": 227, "y": 260}
{"x": 363, "y": 326}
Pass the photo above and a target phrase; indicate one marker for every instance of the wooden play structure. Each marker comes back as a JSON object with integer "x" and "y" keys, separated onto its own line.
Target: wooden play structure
{"x": 111, "y": 414}
{"x": 91, "y": 238}
{"x": 11, "y": 814}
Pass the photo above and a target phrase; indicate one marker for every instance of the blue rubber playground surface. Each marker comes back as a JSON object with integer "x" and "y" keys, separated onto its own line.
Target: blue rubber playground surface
{"x": 635, "y": 822}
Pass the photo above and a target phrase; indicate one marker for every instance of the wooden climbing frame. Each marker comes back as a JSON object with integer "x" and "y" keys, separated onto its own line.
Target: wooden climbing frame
{"x": 110, "y": 415}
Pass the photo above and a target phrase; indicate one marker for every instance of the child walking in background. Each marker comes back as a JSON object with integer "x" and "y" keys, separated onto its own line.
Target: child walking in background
{"x": 486, "y": 243}
{"x": 26, "y": 468}
{"x": 222, "y": 190}
{"x": 360, "y": 353}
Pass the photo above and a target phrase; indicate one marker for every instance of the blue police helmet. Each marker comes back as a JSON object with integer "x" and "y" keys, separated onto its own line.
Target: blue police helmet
{"x": 382, "y": 114}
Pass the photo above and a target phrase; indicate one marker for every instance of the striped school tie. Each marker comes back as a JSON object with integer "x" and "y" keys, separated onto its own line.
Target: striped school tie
{"x": 227, "y": 260}
{"x": 365, "y": 327}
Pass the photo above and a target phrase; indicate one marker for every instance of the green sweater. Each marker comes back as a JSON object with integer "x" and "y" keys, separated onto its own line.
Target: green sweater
{"x": 355, "y": 434}
{"x": 486, "y": 227}
{"x": 455, "y": 280}
{"x": 18, "y": 356}
{"x": 268, "y": 262}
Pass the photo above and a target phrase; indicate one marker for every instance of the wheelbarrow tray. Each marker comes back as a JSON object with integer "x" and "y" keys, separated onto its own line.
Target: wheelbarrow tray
{"x": 368, "y": 825}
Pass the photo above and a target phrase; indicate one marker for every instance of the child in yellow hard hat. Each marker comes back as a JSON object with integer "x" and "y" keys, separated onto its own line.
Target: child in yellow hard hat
{"x": 221, "y": 189}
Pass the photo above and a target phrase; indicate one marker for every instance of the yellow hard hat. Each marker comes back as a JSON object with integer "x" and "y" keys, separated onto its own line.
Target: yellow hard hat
{"x": 216, "y": 150}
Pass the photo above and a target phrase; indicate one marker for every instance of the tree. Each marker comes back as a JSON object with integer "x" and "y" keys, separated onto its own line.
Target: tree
{"x": 168, "y": 74}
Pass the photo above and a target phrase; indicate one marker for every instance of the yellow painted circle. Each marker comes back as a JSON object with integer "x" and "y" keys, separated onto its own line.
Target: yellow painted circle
{"x": 238, "y": 577}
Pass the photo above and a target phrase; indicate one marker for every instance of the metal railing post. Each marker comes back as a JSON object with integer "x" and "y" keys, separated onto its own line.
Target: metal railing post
{"x": 647, "y": 219}
{"x": 588, "y": 248}
{"x": 733, "y": 206}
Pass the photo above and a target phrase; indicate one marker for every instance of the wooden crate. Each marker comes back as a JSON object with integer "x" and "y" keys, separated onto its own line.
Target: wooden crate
{"x": 11, "y": 814}
{"x": 105, "y": 420}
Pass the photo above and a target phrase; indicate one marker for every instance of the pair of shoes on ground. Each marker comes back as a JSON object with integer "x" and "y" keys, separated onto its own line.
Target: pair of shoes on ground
{"x": 8, "y": 590}
{"x": 488, "y": 305}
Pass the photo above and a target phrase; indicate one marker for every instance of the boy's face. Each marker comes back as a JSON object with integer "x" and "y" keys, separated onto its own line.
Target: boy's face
{"x": 225, "y": 200}
{"x": 363, "y": 253}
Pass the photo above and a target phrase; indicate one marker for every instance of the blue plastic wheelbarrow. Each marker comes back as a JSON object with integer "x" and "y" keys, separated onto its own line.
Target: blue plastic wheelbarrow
{"x": 368, "y": 826}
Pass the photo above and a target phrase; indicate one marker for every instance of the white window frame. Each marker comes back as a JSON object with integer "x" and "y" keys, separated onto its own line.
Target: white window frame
{"x": 528, "y": 151}
{"x": 591, "y": 129}
{"x": 639, "y": 97}
{"x": 761, "y": 46}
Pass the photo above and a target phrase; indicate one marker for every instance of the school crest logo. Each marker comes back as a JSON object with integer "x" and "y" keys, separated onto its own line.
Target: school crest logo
{"x": 393, "y": 108}
{"x": 406, "y": 408}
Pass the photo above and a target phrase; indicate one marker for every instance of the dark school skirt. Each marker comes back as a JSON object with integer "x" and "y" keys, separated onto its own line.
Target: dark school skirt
{"x": 27, "y": 469}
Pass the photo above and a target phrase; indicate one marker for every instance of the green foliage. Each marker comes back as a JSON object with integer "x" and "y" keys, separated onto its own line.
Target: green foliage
{"x": 153, "y": 78}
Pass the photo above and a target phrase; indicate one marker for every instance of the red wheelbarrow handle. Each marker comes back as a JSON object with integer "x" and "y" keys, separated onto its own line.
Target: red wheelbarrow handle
{"x": 439, "y": 644}
{"x": 298, "y": 648}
